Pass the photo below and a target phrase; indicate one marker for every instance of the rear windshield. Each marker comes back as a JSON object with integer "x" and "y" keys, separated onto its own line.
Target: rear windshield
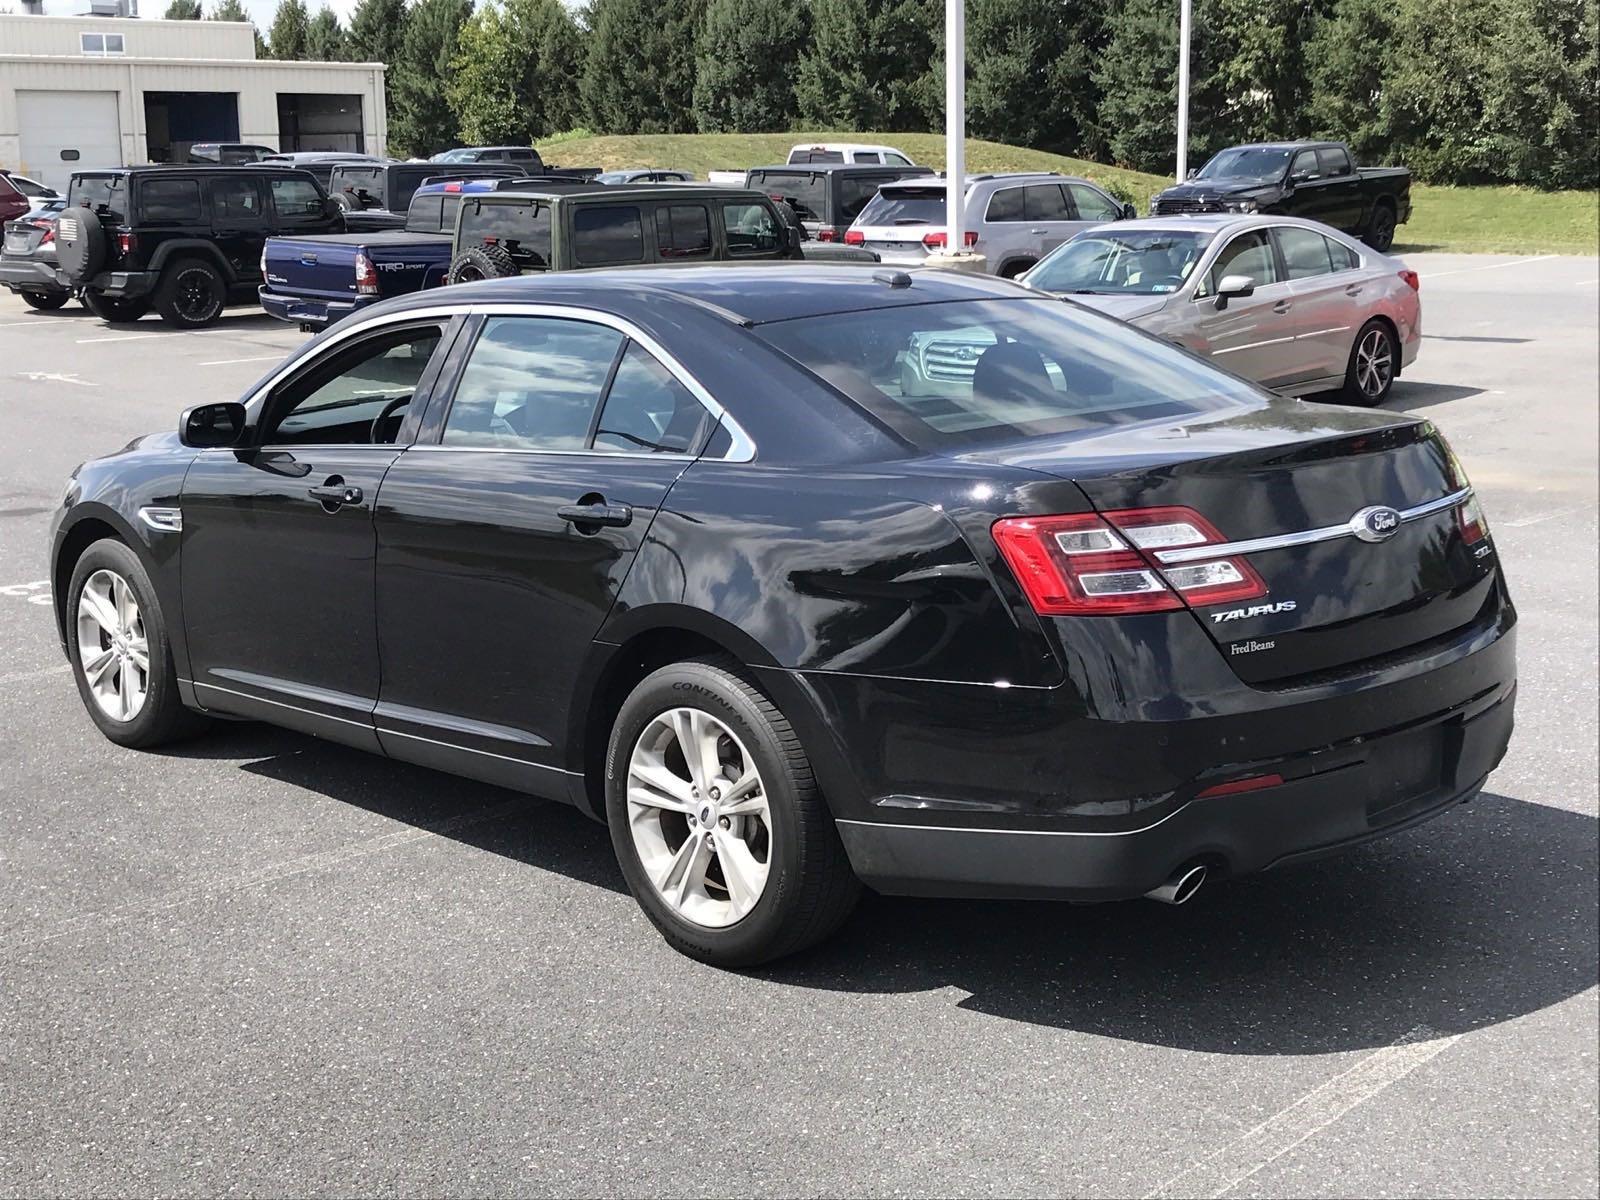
{"x": 523, "y": 229}
{"x": 93, "y": 191}
{"x": 365, "y": 182}
{"x": 806, "y": 190}
{"x": 905, "y": 206}
{"x": 964, "y": 373}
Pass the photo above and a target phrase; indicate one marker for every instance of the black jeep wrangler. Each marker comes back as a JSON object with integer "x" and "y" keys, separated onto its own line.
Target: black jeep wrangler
{"x": 185, "y": 239}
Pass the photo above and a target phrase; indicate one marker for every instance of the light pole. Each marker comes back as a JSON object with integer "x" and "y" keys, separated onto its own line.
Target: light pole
{"x": 955, "y": 122}
{"x": 1183, "y": 90}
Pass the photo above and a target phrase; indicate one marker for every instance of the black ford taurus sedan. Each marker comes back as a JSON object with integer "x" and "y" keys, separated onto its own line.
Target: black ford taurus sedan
{"x": 802, "y": 579}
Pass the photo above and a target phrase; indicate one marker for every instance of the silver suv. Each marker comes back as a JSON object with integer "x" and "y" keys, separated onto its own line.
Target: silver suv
{"x": 1013, "y": 220}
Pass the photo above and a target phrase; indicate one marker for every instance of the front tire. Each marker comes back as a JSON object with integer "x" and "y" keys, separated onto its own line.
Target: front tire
{"x": 191, "y": 294}
{"x": 113, "y": 309}
{"x": 121, "y": 658}
{"x": 717, "y": 822}
{"x": 1371, "y": 370}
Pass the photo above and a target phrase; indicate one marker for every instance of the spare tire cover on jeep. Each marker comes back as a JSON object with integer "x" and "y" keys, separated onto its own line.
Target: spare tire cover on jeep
{"x": 80, "y": 244}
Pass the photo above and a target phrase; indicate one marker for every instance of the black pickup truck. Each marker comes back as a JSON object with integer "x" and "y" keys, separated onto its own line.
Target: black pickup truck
{"x": 1315, "y": 180}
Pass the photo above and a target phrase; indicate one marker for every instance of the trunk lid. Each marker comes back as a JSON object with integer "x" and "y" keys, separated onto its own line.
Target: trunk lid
{"x": 1334, "y": 597}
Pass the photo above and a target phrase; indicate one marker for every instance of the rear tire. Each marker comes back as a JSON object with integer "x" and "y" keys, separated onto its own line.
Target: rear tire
{"x": 788, "y": 884}
{"x": 1373, "y": 361}
{"x": 45, "y": 301}
{"x": 482, "y": 262}
{"x": 116, "y": 310}
{"x": 191, "y": 294}
{"x": 1380, "y": 228}
{"x": 109, "y": 636}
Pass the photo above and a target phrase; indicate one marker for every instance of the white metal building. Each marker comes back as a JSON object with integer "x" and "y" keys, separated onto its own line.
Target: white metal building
{"x": 84, "y": 92}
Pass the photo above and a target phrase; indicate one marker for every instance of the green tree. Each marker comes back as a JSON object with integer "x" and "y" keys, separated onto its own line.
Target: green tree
{"x": 747, "y": 58}
{"x": 516, "y": 73}
{"x": 377, "y": 28}
{"x": 1030, "y": 67}
{"x": 326, "y": 40}
{"x": 182, "y": 10}
{"x": 871, "y": 64}
{"x": 641, "y": 70}
{"x": 420, "y": 120}
{"x": 291, "y": 29}
{"x": 233, "y": 10}
{"x": 1347, "y": 58}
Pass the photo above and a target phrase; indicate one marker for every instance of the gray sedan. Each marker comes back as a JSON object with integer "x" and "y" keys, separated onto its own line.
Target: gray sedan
{"x": 1294, "y": 305}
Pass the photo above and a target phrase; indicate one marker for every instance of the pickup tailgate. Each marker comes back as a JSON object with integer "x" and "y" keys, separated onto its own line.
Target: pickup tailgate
{"x": 325, "y": 267}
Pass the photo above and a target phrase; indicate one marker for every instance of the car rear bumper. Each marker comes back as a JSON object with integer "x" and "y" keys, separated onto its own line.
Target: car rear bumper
{"x": 300, "y": 310}
{"x": 21, "y": 275}
{"x": 124, "y": 285}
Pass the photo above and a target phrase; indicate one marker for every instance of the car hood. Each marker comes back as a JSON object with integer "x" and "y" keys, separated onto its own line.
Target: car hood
{"x": 1215, "y": 189}
{"x": 1124, "y": 308}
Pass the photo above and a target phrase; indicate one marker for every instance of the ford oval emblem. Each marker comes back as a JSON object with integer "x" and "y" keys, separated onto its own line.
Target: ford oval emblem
{"x": 1376, "y": 524}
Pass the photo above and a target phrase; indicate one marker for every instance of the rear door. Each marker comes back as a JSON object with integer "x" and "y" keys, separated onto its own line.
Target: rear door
{"x": 506, "y": 533}
{"x": 1250, "y": 335}
{"x": 1327, "y": 300}
{"x": 1343, "y": 187}
{"x": 1049, "y": 216}
{"x": 239, "y": 223}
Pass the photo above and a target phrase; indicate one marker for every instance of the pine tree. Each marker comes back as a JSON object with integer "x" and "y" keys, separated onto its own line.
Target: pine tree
{"x": 832, "y": 88}
{"x": 233, "y": 10}
{"x": 872, "y": 64}
{"x": 1030, "y": 66}
{"x": 325, "y": 38}
{"x": 377, "y": 28}
{"x": 291, "y": 28}
{"x": 747, "y": 56}
{"x": 641, "y": 69}
{"x": 182, "y": 10}
{"x": 420, "y": 121}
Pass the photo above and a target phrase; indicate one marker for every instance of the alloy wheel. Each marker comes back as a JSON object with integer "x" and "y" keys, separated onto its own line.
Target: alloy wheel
{"x": 699, "y": 817}
{"x": 195, "y": 299}
{"x": 113, "y": 649}
{"x": 1374, "y": 363}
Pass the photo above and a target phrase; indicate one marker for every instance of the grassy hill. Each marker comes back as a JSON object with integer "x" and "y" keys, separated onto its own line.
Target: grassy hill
{"x": 1471, "y": 220}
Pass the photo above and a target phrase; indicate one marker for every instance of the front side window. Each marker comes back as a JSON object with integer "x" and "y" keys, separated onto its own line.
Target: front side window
{"x": 1248, "y": 254}
{"x": 1044, "y": 202}
{"x": 683, "y": 231}
{"x": 1142, "y": 264}
{"x": 648, "y": 411}
{"x": 170, "y": 200}
{"x": 963, "y": 373}
{"x": 522, "y": 228}
{"x": 1305, "y": 164}
{"x": 296, "y": 199}
{"x": 752, "y": 229}
{"x": 235, "y": 201}
{"x": 1305, "y": 252}
{"x": 532, "y": 383}
{"x": 1092, "y": 204}
{"x": 357, "y": 398}
{"x": 607, "y": 234}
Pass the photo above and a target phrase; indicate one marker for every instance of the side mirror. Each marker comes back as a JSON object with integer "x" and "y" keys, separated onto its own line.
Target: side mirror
{"x": 1130, "y": 213}
{"x": 210, "y": 426}
{"x": 1234, "y": 285}
{"x": 331, "y": 207}
{"x": 1300, "y": 177}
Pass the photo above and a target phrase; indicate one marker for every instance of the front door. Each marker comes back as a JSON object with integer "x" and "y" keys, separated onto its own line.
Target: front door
{"x": 278, "y": 547}
{"x": 504, "y": 543}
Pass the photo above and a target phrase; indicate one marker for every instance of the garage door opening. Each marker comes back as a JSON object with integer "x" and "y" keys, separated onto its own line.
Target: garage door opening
{"x": 312, "y": 121}
{"x": 174, "y": 121}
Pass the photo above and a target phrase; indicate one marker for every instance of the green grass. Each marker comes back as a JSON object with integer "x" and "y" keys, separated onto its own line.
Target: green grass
{"x": 1475, "y": 220}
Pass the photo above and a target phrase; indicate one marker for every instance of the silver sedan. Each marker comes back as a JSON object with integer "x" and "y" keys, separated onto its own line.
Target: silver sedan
{"x": 1294, "y": 305}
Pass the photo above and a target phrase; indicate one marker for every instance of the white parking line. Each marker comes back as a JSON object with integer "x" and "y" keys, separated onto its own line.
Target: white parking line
{"x": 1586, "y": 282}
{"x": 1307, "y": 1116}
{"x": 1487, "y": 267}
{"x": 23, "y": 676}
{"x": 224, "y": 362}
{"x": 120, "y": 337}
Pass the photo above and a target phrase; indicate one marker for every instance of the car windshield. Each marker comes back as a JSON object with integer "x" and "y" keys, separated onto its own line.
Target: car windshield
{"x": 1123, "y": 264}
{"x": 806, "y": 190}
{"x": 904, "y": 206}
{"x": 1247, "y": 162}
{"x": 964, "y": 373}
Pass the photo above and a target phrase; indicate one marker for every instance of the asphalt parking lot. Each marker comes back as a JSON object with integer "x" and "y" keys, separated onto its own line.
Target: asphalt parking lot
{"x": 263, "y": 964}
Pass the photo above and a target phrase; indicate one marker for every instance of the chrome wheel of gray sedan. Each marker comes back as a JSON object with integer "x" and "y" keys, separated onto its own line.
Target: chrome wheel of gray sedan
{"x": 113, "y": 650}
{"x": 1374, "y": 363}
{"x": 698, "y": 816}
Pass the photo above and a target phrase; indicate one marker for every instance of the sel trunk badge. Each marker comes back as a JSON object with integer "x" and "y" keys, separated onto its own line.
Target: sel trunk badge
{"x": 1376, "y": 524}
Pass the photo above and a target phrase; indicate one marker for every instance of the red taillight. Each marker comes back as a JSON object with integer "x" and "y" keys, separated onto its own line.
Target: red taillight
{"x": 366, "y": 275}
{"x": 1469, "y": 515}
{"x": 1086, "y": 564}
{"x": 825, "y": 234}
{"x": 1250, "y": 783}
{"x": 453, "y": 187}
{"x": 937, "y": 239}
{"x": 1412, "y": 280}
{"x": 126, "y": 242}
{"x": 49, "y": 228}
{"x": 854, "y": 237}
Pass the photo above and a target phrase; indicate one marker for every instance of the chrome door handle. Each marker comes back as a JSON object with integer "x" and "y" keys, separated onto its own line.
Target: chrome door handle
{"x": 1353, "y": 290}
{"x": 596, "y": 514}
{"x": 334, "y": 493}
{"x": 1282, "y": 306}
{"x": 1038, "y": 232}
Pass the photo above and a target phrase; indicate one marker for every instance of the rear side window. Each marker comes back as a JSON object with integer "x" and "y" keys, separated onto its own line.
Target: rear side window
{"x": 532, "y": 383}
{"x": 1333, "y": 161}
{"x": 963, "y": 373}
{"x": 752, "y": 229}
{"x": 1305, "y": 252}
{"x": 234, "y": 200}
{"x": 683, "y": 231}
{"x": 647, "y": 411}
{"x": 867, "y": 156}
{"x": 1044, "y": 202}
{"x": 523, "y": 229}
{"x": 1342, "y": 257}
{"x": 96, "y": 192}
{"x": 296, "y": 198}
{"x": 169, "y": 200}
{"x": 605, "y": 234}
{"x": 1005, "y": 205}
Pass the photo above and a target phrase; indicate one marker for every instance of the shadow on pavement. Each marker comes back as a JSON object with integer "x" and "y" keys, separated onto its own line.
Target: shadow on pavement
{"x": 1482, "y": 915}
{"x": 1408, "y": 395}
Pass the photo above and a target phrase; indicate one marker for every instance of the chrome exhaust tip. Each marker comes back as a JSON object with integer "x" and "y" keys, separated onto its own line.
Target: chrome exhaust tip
{"x": 1180, "y": 887}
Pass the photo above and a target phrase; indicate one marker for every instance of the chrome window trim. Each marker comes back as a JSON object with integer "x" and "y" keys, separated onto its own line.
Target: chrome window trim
{"x": 742, "y": 449}
{"x": 1304, "y": 537}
